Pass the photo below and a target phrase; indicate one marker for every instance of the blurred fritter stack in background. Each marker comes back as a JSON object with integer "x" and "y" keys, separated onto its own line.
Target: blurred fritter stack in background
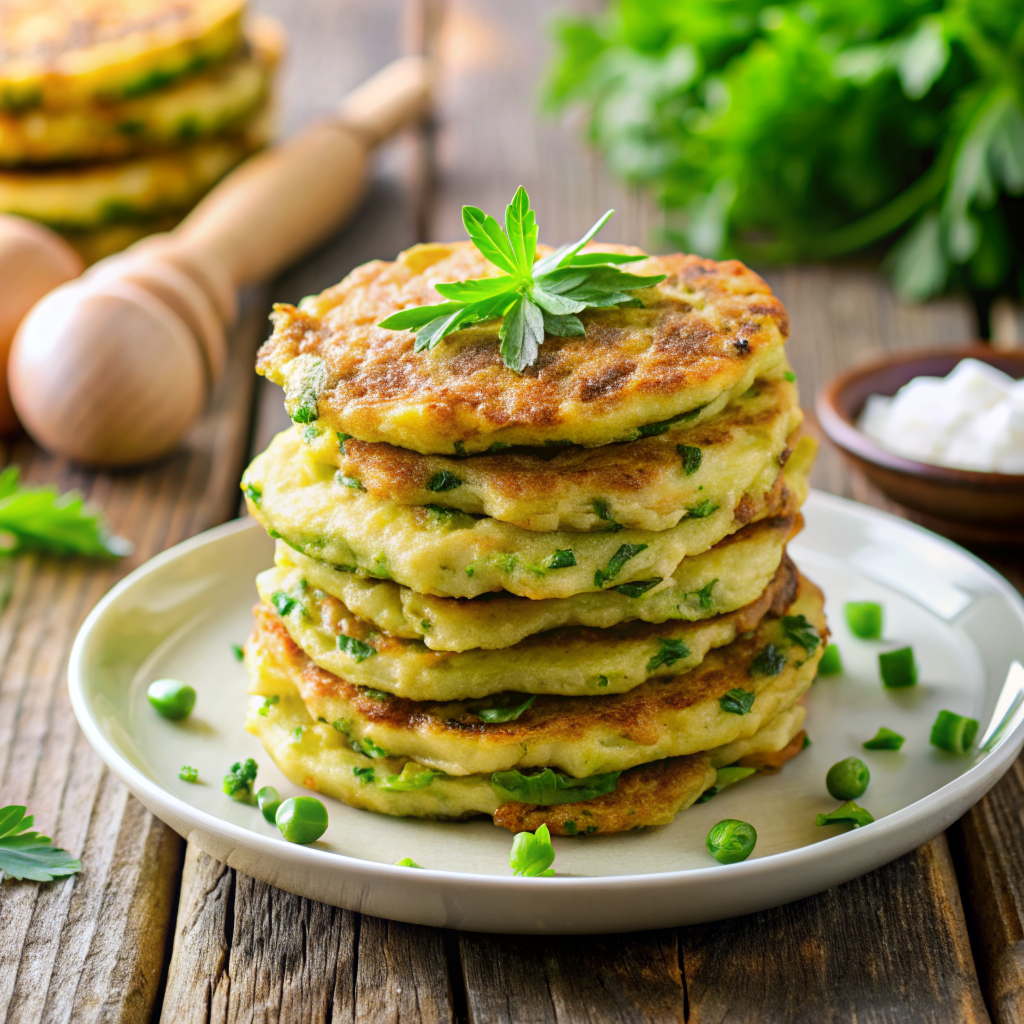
{"x": 556, "y": 597}
{"x": 116, "y": 116}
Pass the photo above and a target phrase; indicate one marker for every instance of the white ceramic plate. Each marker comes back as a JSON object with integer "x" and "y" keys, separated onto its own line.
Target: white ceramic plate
{"x": 179, "y": 614}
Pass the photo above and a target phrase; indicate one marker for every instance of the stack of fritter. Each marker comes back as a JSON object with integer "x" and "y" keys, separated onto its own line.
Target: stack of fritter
{"x": 117, "y": 115}
{"x": 558, "y": 597}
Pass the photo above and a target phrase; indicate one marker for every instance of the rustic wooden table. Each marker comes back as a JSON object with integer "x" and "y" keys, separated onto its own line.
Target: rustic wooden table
{"x": 151, "y": 929}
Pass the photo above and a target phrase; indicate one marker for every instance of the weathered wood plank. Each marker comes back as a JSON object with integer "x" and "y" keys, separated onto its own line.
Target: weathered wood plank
{"x": 245, "y": 951}
{"x": 92, "y": 947}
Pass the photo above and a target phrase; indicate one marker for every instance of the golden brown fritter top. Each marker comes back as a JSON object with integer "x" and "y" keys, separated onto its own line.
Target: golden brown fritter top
{"x": 707, "y": 328}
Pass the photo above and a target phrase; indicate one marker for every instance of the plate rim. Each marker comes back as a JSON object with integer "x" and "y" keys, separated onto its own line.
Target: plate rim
{"x": 859, "y": 840}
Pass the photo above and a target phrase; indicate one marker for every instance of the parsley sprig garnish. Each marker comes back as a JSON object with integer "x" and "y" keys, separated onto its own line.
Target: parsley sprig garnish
{"x": 25, "y": 854}
{"x": 40, "y": 519}
{"x": 534, "y": 298}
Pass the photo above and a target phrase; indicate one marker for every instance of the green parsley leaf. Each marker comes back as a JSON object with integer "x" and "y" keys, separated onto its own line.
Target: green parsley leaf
{"x": 532, "y": 854}
{"x": 616, "y": 562}
{"x": 603, "y": 511}
{"x": 444, "y": 480}
{"x": 41, "y": 519}
{"x": 505, "y": 710}
{"x": 638, "y": 588}
{"x": 550, "y": 787}
{"x": 563, "y": 558}
{"x": 702, "y": 511}
{"x": 798, "y": 630}
{"x": 704, "y": 598}
{"x": 364, "y": 775}
{"x": 533, "y": 298}
{"x": 349, "y": 481}
{"x": 30, "y": 855}
{"x": 737, "y": 701}
{"x": 669, "y": 652}
{"x": 354, "y": 648}
{"x": 769, "y": 661}
{"x": 692, "y": 458}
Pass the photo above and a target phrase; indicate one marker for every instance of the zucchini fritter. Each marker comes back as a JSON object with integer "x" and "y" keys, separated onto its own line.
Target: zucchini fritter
{"x": 701, "y": 337}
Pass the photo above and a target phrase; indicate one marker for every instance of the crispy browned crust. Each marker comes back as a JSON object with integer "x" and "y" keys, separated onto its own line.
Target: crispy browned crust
{"x": 652, "y": 794}
{"x": 538, "y": 474}
{"x": 693, "y": 338}
{"x": 633, "y": 714}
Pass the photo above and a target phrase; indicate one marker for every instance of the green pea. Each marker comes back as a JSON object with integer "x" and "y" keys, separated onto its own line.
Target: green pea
{"x": 268, "y": 801}
{"x": 172, "y": 698}
{"x": 731, "y": 841}
{"x": 302, "y": 819}
{"x": 847, "y": 779}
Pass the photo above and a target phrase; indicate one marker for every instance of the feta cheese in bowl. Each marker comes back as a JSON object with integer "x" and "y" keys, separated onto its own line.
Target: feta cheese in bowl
{"x": 971, "y": 419}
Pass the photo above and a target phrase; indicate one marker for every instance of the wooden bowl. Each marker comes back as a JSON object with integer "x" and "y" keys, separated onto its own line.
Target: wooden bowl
{"x": 961, "y": 502}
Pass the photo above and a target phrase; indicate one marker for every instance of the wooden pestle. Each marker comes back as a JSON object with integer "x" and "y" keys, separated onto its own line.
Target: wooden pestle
{"x": 113, "y": 368}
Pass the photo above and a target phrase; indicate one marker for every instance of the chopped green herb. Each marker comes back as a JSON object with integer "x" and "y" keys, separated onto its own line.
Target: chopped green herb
{"x": 310, "y": 433}
{"x": 297, "y": 733}
{"x": 268, "y": 800}
{"x": 444, "y": 480}
{"x": 845, "y": 814}
{"x": 898, "y": 668}
{"x": 172, "y": 698}
{"x": 847, "y": 779}
{"x": 532, "y": 854}
{"x": 460, "y": 448}
{"x": 499, "y": 446}
{"x": 731, "y": 841}
{"x": 425, "y": 625}
{"x": 702, "y": 511}
{"x": 603, "y": 512}
{"x": 413, "y": 776}
{"x": 797, "y": 630}
{"x": 769, "y": 661}
{"x": 268, "y": 703}
{"x": 616, "y": 562}
{"x": 254, "y": 494}
{"x": 188, "y": 774}
{"x": 563, "y": 558}
{"x": 864, "y": 619}
{"x": 238, "y": 652}
{"x": 534, "y": 298}
{"x": 602, "y": 681}
{"x": 704, "y": 598}
{"x": 884, "y": 739}
{"x": 831, "y": 664}
{"x": 239, "y": 781}
{"x": 285, "y": 602}
{"x": 954, "y": 733}
{"x": 692, "y": 458}
{"x": 548, "y": 787}
{"x": 654, "y": 429}
{"x": 408, "y": 862}
{"x": 737, "y": 701}
{"x": 369, "y": 691}
{"x": 669, "y": 652}
{"x": 342, "y": 438}
{"x": 349, "y": 481}
{"x": 638, "y": 588}
{"x": 30, "y": 855}
{"x": 367, "y": 747}
{"x": 506, "y": 711}
{"x": 806, "y": 743}
{"x": 40, "y": 519}
{"x": 725, "y": 777}
{"x": 790, "y": 376}
{"x": 354, "y": 648}
{"x": 365, "y": 775}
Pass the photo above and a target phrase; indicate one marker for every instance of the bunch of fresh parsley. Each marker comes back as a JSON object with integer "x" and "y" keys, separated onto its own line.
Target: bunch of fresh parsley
{"x": 25, "y": 854}
{"x": 809, "y": 129}
{"x": 533, "y": 298}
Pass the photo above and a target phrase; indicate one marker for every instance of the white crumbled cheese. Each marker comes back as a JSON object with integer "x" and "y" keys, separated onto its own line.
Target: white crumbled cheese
{"x": 972, "y": 419}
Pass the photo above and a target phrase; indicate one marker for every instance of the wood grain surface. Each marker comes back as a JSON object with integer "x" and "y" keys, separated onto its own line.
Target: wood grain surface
{"x": 136, "y": 938}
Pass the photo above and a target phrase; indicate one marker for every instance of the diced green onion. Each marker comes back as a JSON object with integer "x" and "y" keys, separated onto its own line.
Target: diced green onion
{"x": 188, "y": 774}
{"x": 898, "y": 668}
{"x": 846, "y": 814}
{"x": 884, "y": 739}
{"x": 864, "y": 619}
{"x": 954, "y": 733}
{"x": 831, "y": 664}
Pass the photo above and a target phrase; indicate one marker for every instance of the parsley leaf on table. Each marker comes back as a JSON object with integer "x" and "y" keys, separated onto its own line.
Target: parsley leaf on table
{"x": 534, "y": 298}
{"x": 40, "y": 519}
{"x": 25, "y": 854}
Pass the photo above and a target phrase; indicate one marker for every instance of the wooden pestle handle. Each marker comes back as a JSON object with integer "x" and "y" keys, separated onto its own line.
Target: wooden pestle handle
{"x": 282, "y": 202}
